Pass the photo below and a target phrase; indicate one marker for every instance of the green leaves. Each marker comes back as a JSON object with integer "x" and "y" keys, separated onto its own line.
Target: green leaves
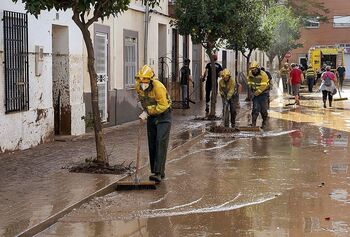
{"x": 207, "y": 21}
{"x": 285, "y": 29}
{"x": 102, "y": 8}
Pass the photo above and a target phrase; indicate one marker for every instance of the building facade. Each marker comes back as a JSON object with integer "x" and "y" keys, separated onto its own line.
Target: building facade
{"x": 41, "y": 84}
{"x": 334, "y": 32}
{"x": 124, "y": 44}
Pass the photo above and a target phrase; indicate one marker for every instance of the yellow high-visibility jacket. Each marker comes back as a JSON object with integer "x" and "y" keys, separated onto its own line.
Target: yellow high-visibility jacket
{"x": 284, "y": 72}
{"x": 155, "y": 100}
{"x": 258, "y": 84}
{"x": 310, "y": 72}
{"x": 227, "y": 88}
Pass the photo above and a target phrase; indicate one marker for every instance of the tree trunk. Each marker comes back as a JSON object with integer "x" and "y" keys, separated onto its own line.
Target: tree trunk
{"x": 271, "y": 58}
{"x": 100, "y": 145}
{"x": 279, "y": 63}
{"x": 236, "y": 63}
{"x": 249, "y": 92}
{"x": 214, "y": 89}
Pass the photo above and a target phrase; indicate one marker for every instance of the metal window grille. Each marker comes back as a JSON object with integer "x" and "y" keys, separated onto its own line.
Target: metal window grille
{"x": 130, "y": 60}
{"x": 311, "y": 22}
{"x": 101, "y": 42}
{"x": 16, "y": 61}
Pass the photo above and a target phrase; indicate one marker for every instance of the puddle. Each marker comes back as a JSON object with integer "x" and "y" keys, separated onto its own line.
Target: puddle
{"x": 340, "y": 195}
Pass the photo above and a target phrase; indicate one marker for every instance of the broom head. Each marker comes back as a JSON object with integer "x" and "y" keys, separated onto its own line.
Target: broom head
{"x": 135, "y": 185}
{"x": 340, "y": 99}
{"x": 249, "y": 129}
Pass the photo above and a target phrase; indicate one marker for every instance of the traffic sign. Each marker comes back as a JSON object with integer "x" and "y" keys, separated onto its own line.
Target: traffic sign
{"x": 288, "y": 55}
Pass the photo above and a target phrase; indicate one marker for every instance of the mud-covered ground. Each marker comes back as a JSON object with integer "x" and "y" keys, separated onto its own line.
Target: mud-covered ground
{"x": 291, "y": 179}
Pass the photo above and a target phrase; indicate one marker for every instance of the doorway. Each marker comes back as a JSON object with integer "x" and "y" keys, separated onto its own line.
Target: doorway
{"x": 303, "y": 62}
{"x": 197, "y": 71}
{"x": 60, "y": 80}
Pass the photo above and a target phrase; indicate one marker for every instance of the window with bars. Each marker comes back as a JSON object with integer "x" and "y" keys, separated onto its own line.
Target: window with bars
{"x": 16, "y": 61}
{"x": 130, "y": 60}
{"x": 311, "y": 22}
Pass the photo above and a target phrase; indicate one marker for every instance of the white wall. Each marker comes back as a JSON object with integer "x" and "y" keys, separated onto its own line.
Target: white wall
{"x": 133, "y": 20}
{"x": 29, "y": 128}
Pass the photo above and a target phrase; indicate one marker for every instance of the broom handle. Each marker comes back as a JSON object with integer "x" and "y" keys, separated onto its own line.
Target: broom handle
{"x": 339, "y": 90}
{"x": 138, "y": 151}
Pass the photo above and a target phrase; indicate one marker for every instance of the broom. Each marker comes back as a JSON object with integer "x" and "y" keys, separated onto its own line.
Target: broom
{"x": 340, "y": 98}
{"x": 137, "y": 184}
{"x": 249, "y": 129}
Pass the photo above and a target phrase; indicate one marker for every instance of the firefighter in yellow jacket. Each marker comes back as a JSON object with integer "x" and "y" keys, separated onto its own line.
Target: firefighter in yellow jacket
{"x": 156, "y": 105}
{"x": 258, "y": 82}
{"x": 227, "y": 89}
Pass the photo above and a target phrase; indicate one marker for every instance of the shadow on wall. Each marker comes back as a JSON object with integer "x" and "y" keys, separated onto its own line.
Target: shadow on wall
{"x": 126, "y": 107}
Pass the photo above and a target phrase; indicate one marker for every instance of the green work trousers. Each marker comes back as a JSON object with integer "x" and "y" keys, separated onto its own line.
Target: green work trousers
{"x": 158, "y": 131}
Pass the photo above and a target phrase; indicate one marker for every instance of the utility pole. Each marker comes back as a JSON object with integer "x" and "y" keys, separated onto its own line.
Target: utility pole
{"x": 145, "y": 48}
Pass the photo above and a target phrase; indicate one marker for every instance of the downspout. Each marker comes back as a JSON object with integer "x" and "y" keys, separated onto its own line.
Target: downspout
{"x": 145, "y": 47}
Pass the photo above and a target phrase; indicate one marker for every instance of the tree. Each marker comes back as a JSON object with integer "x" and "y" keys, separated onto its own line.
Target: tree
{"x": 285, "y": 29}
{"x": 302, "y": 8}
{"x": 208, "y": 22}
{"x": 85, "y": 13}
{"x": 251, "y": 35}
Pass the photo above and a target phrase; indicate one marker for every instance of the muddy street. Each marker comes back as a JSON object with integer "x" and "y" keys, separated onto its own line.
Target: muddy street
{"x": 289, "y": 180}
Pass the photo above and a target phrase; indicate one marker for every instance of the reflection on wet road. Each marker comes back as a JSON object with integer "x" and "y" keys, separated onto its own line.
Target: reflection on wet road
{"x": 290, "y": 180}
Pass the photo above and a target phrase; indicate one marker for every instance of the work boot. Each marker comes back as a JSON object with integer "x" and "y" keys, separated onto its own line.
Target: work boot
{"x": 253, "y": 123}
{"x": 155, "y": 177}
{"x": 207, "y": 107}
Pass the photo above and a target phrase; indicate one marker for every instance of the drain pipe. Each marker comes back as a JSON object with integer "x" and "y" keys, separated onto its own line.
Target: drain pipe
{"x": 145, "y": 47}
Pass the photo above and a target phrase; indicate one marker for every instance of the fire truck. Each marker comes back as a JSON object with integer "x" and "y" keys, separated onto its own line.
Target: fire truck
{"x": 320, "y": 57}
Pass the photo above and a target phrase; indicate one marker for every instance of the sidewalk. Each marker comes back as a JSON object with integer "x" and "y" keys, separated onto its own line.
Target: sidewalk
{"x": 34, "y": 188}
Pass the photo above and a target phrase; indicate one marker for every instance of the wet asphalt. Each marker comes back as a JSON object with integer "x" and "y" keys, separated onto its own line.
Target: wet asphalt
{"x": 291, "y": 179}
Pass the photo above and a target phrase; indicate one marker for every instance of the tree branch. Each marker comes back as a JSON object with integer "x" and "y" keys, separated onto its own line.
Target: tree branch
{"x": 97, "y": 12}
{"x": 82, "y": 17}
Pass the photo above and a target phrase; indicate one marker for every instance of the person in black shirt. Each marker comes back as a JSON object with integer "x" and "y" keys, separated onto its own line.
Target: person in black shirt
{"x": 185, "y": 77}
{"x": 207, "y": 78}
{"x": 341, "y": 76}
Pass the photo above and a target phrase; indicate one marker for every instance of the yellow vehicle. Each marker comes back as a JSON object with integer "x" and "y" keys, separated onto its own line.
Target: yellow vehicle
{"x": 319, "y": 57}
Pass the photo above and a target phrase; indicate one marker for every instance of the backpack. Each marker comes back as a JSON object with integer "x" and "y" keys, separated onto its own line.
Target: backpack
{"x": 327, "y": 81}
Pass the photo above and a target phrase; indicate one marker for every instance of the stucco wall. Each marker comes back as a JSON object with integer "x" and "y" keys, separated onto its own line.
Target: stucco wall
{"x": 25, "y": 129}
{"x": 131, "y": 21}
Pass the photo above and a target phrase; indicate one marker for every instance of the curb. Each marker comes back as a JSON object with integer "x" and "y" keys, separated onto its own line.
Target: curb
{"x": 54, "y": 218}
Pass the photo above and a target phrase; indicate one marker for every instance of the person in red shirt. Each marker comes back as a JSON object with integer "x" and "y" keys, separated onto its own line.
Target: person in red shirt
{"x": 296, "y": 77}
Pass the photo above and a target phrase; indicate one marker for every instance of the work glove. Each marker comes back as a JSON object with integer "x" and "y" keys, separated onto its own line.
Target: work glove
{"x": 143, "y": 116}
